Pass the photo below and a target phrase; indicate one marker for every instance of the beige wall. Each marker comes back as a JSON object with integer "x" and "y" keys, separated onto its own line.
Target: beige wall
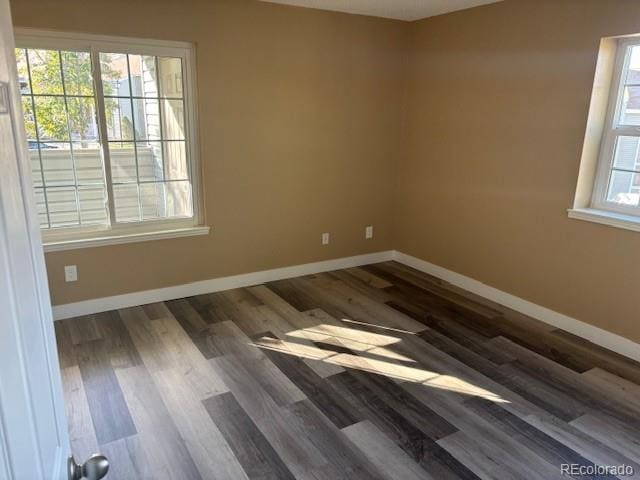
{"x": 303, "y": 128}
{"x": 300, "y": 119}
{"x": 497, "y": 107}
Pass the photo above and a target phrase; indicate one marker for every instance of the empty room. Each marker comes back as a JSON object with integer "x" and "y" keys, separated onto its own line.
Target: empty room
{"x": 319, "y": 239}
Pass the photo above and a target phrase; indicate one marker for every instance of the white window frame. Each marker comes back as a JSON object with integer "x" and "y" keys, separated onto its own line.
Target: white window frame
{"x": 612, "y": 131}
{"x": 89, "y": 236}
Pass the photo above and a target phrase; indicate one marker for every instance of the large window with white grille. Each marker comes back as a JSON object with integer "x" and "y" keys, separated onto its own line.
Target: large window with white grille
{"x": 111, "y": 134}
{"x": 617, "y": 186}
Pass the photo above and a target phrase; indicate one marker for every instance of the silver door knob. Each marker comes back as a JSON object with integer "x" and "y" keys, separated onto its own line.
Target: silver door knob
{"x": 95, "y": 468}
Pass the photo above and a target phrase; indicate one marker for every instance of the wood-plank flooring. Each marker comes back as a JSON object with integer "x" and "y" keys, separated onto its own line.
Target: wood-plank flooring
{"x": 377, "y": 372}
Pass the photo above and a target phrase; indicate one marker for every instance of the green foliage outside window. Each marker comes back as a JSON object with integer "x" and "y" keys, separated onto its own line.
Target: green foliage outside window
{"x": 53, "y": 74}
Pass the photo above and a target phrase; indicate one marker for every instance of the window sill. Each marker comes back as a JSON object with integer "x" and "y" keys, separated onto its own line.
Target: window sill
{"x": 60, "y": 245}
{"x": 612, "y": 219}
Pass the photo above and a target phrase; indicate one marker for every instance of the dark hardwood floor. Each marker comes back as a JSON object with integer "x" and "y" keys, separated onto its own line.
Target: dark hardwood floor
{"x": 378, "y": 372}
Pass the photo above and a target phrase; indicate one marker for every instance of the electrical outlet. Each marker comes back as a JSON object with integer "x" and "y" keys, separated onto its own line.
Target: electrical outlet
{"x": 71, "y": 273}
{"x": 368, "y": 232}
{"x": 325, "y": 239}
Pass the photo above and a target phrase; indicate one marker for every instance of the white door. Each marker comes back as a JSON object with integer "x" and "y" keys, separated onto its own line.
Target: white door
{"x": 34, "y": 443}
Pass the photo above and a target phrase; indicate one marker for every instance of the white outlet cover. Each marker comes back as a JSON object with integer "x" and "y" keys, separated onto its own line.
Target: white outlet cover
{"x": 325, "y": 239}
{"x": 71, "y": 273}
{"x": 368, "y": 232}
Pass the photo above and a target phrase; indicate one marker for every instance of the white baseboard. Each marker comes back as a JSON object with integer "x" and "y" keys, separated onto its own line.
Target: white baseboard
{"x": 596, "y": 335}
{"x": 105, "y": 304}
{"x": 601, "y": 337}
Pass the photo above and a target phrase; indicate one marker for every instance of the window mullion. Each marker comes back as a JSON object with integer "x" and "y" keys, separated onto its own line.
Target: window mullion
{"x": 604, "y": 169}
{"x": 73, "y": 158}
{"x": 163, "y": 144}
{"x": 135, "y": 139}
{"x": 102, "y": 132}
{"x": 626, "y": 132}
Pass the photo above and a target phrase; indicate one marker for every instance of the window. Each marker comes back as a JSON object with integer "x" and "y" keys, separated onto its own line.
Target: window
{"x": 111, "y": 137}
{"x": 617, "y": 186}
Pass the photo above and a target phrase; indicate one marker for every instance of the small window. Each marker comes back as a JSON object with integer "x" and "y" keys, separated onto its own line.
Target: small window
{"x": 111, "y": 134}
{"x": 617, "y": 185}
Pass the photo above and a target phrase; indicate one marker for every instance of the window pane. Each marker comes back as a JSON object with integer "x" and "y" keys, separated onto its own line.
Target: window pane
{"x": 630, "y": 112}
{"x": 115, "y": 74}
{"x": 45, "y": 71}
{"x": 93, "y": 205}
{"x": 23, "y": 72}
{"x": 153, "y": 200}
{"x": 57, "y": 162}
{"x": 63, "y": 209}
{"x": 626, "y": 155}
{"x": 29, "y": 123}
{"x": 144, "y": 78}
{"x": 147, "y": 119}
{"x": 78, "y": 79}
{"x": 88, "y": 163}
{"x": 624, "y": 188}
{"x": 82, "y": 119}
{"x": 126, "y": 200}
{"x": 119, "y": 118}
{"x": 150, "y": 167}
{"x": 633, "y": 73}
{"x": 65, "y": 112}
{"x": 166, "y": 200}
{"x": 123, "y": 162}
{"x": 41, "y": 207}
{"x": 175, "y": 161}
{"x": 51, "y": 115}
{"x": 179, "y": 202}
{"x": 36, "y": 171}
{"x": 172, "y": 120}
{"x": 170, "y": 77}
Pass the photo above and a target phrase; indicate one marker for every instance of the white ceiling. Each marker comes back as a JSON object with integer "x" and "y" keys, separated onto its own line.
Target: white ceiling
{"x": 398, "y": 9}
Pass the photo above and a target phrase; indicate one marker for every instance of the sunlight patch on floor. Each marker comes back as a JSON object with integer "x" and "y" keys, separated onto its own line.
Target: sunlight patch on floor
{"x": 352, "y": 339}
{"x": 382, "y": 327}
{"x": 391, "y": 370}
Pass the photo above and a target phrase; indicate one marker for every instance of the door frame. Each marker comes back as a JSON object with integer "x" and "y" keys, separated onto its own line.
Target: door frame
{"x": 34, "y": 439}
